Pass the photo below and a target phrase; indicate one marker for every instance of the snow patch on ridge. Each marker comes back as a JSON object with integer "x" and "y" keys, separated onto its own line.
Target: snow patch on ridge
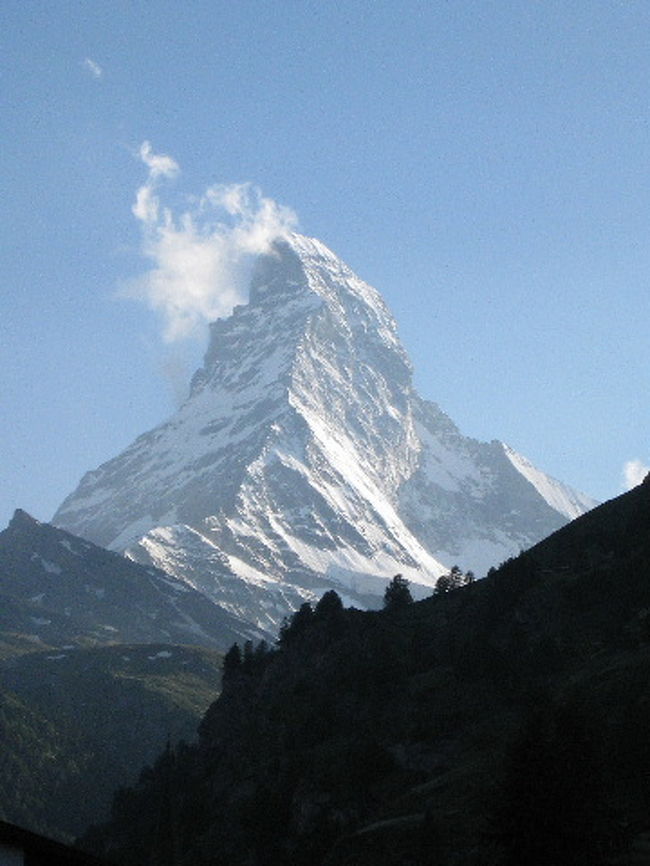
{"x": 571, "y": 503}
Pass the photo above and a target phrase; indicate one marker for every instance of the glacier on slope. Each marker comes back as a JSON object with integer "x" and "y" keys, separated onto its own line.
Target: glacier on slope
{"x": 303, "y": 459}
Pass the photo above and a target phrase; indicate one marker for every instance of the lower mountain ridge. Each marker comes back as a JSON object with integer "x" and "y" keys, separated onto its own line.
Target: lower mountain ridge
{"x": 102, "y": 661}
{"x": 504, "y": 722}
{"x": 58, "y": 590}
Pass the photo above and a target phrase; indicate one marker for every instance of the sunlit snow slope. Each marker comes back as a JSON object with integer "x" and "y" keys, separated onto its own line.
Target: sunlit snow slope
{"x": 303, "y": 459}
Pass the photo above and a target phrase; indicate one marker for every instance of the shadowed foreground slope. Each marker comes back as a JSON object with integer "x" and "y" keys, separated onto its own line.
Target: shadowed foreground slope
{"x": 505, "y": 722}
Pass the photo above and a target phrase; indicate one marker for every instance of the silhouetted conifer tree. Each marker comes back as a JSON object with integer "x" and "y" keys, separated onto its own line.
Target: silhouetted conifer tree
{"x": 231, "y": 661}
{"x": 249, "y": 655}
{"x": 329, "y": 604}
{"x": 261, "y": 651}
{"x": 297, "y": 625}
{"x": 397, "y": 594}
{"x": 453, "y": 580}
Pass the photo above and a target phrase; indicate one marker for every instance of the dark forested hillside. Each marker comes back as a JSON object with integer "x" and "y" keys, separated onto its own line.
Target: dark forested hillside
{"x": 503, "y": 722}
{"x": 76, "y": 724}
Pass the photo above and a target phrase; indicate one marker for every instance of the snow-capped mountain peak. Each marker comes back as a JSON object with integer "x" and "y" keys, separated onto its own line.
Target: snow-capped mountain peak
{"x": 304, "y": 459}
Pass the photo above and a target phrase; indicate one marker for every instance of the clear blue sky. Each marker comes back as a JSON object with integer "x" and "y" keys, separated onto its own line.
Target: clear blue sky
{"x": 486, "y": 165}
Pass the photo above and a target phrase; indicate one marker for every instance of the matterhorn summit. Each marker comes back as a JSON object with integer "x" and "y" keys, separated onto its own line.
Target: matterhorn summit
{"x": 304, "y": 460}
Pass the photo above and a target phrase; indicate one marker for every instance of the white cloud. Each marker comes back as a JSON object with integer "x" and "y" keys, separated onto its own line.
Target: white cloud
{"x": 92, "y": 67}
{"x": 634, "y": 471}
{"x": 201, "y": 257}
{"x": 159, "y": 164}
{"x": 146, "y": 204}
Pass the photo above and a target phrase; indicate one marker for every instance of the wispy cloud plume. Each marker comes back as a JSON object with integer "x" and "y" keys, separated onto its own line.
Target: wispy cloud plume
{"x": 146, "y": 206}
{"x": 201, "y": 257}
{"x": 634, "y": 471}
{"x": 92, "y": 67}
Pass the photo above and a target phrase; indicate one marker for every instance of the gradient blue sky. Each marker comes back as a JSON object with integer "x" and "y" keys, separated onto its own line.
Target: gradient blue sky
{"x": 486, "y": 165}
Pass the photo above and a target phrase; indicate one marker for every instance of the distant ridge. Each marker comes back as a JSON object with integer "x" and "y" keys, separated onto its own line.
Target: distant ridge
{"x": 57, "y": 589}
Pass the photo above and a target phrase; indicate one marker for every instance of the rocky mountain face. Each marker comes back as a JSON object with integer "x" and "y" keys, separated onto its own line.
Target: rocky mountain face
{"x": 304, "y": 460}
{"x": 57, "y": 590}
